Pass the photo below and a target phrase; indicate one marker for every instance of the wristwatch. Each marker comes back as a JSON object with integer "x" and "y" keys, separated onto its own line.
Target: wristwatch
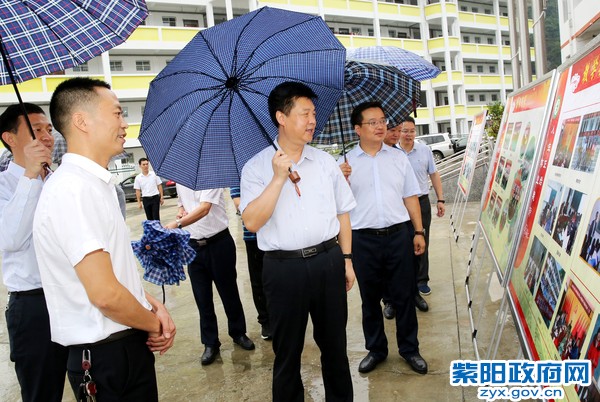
{"x": 420, "y": 232}
{"x": 178, "y": 223}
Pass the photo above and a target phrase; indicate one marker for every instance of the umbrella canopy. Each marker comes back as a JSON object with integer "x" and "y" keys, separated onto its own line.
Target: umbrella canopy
{"x": 408, "y": 62}
{"x": 206, "y": 113}
{"x": 367, "y": 82}
{"x": 163, "y": 253}
{"x": 44, "y": 36}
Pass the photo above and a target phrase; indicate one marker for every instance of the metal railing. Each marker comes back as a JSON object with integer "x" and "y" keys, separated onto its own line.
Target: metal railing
{"x": 449, "y": 168}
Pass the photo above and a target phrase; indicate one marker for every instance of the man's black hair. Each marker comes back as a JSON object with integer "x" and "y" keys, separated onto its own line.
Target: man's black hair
{"x": 283, "y": 96}
{"x": 9, "y": 120}
{"x": 356, "y": 117}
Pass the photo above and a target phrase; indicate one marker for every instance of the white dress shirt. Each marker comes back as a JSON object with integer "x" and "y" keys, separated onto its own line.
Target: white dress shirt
{"x": 421, "y": 160}
{"x": 147, "y": 184}
{"x": 299, "y": 222}
{"x": 215, "y": 221}
{"x": 18, "y": 198}
{"x": 379, "y": 183}
{"x": 78, "y": 213}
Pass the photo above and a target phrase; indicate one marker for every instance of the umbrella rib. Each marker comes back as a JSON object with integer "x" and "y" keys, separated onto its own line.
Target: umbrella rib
{"x": 203, "y": 74}
{"x": 253, "y": 69}
{"x": 243, "y": 67}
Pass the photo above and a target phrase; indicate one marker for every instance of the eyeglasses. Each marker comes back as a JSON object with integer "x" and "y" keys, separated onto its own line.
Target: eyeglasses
{"x": 375, "y": 123}
{"x": 408, "y": 131}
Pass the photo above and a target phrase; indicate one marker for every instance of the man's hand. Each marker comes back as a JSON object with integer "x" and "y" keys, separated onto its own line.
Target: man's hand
{"x": 346, "y": 169}
{"x": 140, "y": 204}
{"x": 281, "y": 164}
{"x": 163, "y": 340}
{"x": 441, "y": 209}
{"x": 36, "y": 155}
{"x": 350, "y": 276}
{"x": 419, "y": 244}
{"x": 162, "y": 200}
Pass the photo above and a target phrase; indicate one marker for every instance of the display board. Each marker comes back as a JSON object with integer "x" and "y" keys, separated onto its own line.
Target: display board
{"x": 554, "y": 286}
{"x": 467, "y": 170}
{"x": 517, "y": 147}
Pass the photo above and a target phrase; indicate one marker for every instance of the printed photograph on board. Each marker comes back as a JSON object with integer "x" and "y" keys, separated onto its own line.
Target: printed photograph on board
{"x": 590, "y": 248}
{"x": 533, "y": 269}
{"x": 586, "y": 146}
{"x": 566, "y": 142}
{"x": 549, "y": 205}
{"x": 568, "y": 218}
{"x": 548, "y": 289}
{"x": 514, "y": 139}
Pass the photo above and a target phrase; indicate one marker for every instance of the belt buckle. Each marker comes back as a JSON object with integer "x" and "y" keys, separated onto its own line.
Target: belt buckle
{"x": 201, "y": 242}
{"x": 309, "y": 252}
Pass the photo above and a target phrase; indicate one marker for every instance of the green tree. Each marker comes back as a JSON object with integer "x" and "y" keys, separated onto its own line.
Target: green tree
{"x": 494, "y": 117}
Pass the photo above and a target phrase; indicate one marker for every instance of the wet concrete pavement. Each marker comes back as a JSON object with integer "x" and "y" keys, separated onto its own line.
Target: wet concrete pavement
{"x": 239, "y": 375}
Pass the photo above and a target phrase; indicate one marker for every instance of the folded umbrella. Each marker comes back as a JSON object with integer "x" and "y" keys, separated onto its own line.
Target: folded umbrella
{"x": 206, "y": 113}
{"x": 162, "y": 253}
{"x": 368, "y": 82}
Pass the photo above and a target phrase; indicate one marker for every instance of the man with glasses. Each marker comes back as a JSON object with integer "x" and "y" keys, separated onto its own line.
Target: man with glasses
{"x": 386, "y": 234}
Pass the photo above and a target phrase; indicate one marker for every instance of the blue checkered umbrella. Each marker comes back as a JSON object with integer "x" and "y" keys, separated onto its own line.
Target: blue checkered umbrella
{"x": 367, "y": 82}
{"x": 409, "y": 63}
{"x": 162, "y": 253}
{"x": 206, "y": 113}
{"x": 44, "y": 36}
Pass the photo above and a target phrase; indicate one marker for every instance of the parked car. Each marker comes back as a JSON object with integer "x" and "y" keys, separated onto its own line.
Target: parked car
{"x": 169, "y": 189}
{"x": 459, "y": 143}
{"x": 440, "y": 144}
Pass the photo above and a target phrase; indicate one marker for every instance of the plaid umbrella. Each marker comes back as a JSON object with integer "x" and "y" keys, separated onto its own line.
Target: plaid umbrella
{"x": 39, "y": 37}
{"x": 162, "y": 253}
{"x": 409, "y": 63}
{"x": 366, "y": 82}
{"x": 206, "y": 113}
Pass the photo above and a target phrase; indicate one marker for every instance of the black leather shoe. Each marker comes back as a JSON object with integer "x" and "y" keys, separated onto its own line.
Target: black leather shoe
{"x": 389, "y": 311}
{"x": 421, "y": 303}
{"x": 209, "y": 355}
{"x": 369, "y": 363}
{"x": 417, "y": 363}
{"x": 244, "y": 342}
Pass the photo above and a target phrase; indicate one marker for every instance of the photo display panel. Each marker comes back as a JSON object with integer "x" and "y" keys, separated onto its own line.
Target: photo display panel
{"x": 467, "y": 169}
{"x": 554, "y": 286}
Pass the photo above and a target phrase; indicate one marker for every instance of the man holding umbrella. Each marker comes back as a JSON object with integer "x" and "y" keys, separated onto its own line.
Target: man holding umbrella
{"x": 40, "y": 364}
{"x": 306, "y": 236}
{"x": 97, "y": 305}
{"x": 386, "y": 234}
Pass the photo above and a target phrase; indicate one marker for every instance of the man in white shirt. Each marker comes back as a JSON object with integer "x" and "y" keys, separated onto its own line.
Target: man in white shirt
{"x": 148, "y": 191}
{"x": 386, "y": 235}
{"x": 203, "y": 214}
{"x": 91, "y": 283}
{"x": 40, "y": 364}
{"x": 306, "y": 235}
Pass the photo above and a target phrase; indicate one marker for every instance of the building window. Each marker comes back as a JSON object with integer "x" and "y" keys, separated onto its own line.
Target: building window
{"x": 475, "y": 9}
{"x": 466, "y": 39}
{"x": 471, "y": 98}
{"x": 142, "y": 109}
{"x": 506, "y": 43}
{"x": 482, "y": 98}
{"x": 169, "y": 21}
{"x": 464, "y": 8}
{"x": 468, "y": 68}
{"x": 344, "y": 31}
{"x": 492, "y": 69}
{"x": 490, "y": 41}
{"x": 477, "y": 39}
{"x": 116, "y": 65}
{"x": 494, "y": 97}
{"x": 402, "y": 35}
{"x": 392, "y": 33}
{"x": 124, "y": 111}
{"x": 168, "y": 61}
{"x": 356, "y": 31}
{"x": 480, "y": 69}
{"x": 487, "y": 11}
{"x": 142, "y": 65}
{"x": 82, "y": 68}
{"x": 191, "y": 23}
{"x": 370, "y": 32}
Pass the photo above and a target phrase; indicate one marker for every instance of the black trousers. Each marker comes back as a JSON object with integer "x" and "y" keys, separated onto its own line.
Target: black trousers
{"x": 215, "y": 262}
{"x": 382, "y": 262}
{"x": 123, "y": 370}
{"x": 423, "y": 259}
{"x": 294, "y": 289}
{"x": 152, "y": 207}
{"x": 40, "y": 364}
{"x": 255, "y": 269}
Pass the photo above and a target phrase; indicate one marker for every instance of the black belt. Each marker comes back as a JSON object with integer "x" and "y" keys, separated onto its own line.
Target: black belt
{"x": 151, "y": 196}
{"x": 207, "y": 240}
{"x": 303, "y": 252}
{"x": 32, "y": 292}
{"x": 422, "y": 197}
{"x": 111, "y": 338}
{"x": 384, "y": 231}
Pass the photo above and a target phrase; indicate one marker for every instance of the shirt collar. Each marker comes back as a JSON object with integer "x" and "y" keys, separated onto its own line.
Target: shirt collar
{"x": 384, "y": 148}
{"x": 308, "y": 152}
{"x": 88, "y": 165}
